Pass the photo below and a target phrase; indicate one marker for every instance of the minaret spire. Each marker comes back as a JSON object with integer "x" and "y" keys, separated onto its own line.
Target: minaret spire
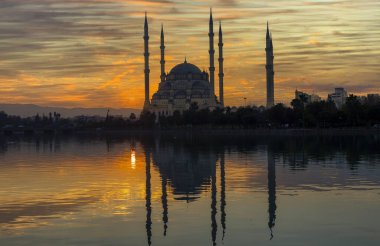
{"x": 221, "y": 60}
{"x": 269, "y": 68}
{"x": 146, "y": 61}
{"x": 162, "y": 47}
{"x": 212, "y": 53}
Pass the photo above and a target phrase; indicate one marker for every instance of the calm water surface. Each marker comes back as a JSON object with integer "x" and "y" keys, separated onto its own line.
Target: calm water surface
{"x": 190, "y": 191}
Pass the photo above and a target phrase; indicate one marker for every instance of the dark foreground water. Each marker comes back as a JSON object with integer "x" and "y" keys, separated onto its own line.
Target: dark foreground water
{"x": 190, "y": 191}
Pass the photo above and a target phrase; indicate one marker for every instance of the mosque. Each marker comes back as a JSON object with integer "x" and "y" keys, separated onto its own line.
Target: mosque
{"x": 185, "y": 84}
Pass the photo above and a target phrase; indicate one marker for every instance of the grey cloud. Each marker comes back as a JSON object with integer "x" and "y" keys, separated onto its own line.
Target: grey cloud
{"x": 54, "y": 39}
{"x": 228, "y": 2}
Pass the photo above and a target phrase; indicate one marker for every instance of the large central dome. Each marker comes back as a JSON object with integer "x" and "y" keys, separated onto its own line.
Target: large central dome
{"x": 185, "y": 68}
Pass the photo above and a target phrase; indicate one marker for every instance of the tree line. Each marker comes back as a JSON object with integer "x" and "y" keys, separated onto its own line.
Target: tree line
{"x": 322, "y": 114}
{"x": 299, "y": 114}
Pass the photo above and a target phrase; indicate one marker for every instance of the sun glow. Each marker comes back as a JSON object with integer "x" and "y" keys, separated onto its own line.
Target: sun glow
{"x": 315, "y": 42}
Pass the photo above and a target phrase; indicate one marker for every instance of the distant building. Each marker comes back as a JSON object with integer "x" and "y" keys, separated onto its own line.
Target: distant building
{"x": 338, "y": 97}
{"x": 373, "y": 99}
{"x": 309, "y": 98}
{"x": 362, "y": 99}
{"x": 234, "y": 109}
{"x": 315, "y": 98}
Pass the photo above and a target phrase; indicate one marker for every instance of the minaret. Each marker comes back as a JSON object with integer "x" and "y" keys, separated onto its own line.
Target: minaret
{"x": 221, "y": 59}
{"x": 162, "y": 47}
{"x": 269, "y": 68}
{"x": 212, "y": 53}
{"x": 146, "y": 69}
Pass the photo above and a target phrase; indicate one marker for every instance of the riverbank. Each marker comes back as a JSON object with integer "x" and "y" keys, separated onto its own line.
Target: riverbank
{"x": 240, "y": 132}
{"x": 206, "y": 131}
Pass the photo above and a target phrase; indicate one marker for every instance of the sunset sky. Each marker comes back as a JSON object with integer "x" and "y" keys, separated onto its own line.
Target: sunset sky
{"x": 88, "y": 53}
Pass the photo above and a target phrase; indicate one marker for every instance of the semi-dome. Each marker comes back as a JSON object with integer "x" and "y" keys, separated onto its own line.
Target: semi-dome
{"x": 185, "y": 68}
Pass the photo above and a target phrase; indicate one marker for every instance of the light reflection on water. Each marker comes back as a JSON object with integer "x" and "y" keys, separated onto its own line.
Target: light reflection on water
{"x": 190, "y": 191}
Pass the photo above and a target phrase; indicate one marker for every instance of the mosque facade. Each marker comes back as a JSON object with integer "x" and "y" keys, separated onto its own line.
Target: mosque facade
{"x": 185, "y": 84}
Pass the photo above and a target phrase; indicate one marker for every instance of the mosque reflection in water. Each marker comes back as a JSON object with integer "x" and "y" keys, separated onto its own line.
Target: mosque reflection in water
{"x": 163, "y": 189}
{"x": 187, "y": 170}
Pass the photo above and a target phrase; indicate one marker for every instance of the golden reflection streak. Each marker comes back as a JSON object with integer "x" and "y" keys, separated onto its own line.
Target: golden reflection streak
{"x": 95, "y": 195}
{"x": 133, "y": 159}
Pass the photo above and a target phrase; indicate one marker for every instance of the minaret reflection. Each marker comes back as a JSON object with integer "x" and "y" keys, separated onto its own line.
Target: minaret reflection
{"x": 214, "y": 225}
{"x": 164, "y": 193}
{"x": 164, "y": 199}
{"x": 223, "y": 193}
{"x": 148, "y": 204}
{"x": 271, "y": 191}
{"x": 188, "y": 169}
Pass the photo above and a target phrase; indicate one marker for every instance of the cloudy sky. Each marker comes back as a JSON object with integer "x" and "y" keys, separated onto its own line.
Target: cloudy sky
{"x": 88, "y": 53}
